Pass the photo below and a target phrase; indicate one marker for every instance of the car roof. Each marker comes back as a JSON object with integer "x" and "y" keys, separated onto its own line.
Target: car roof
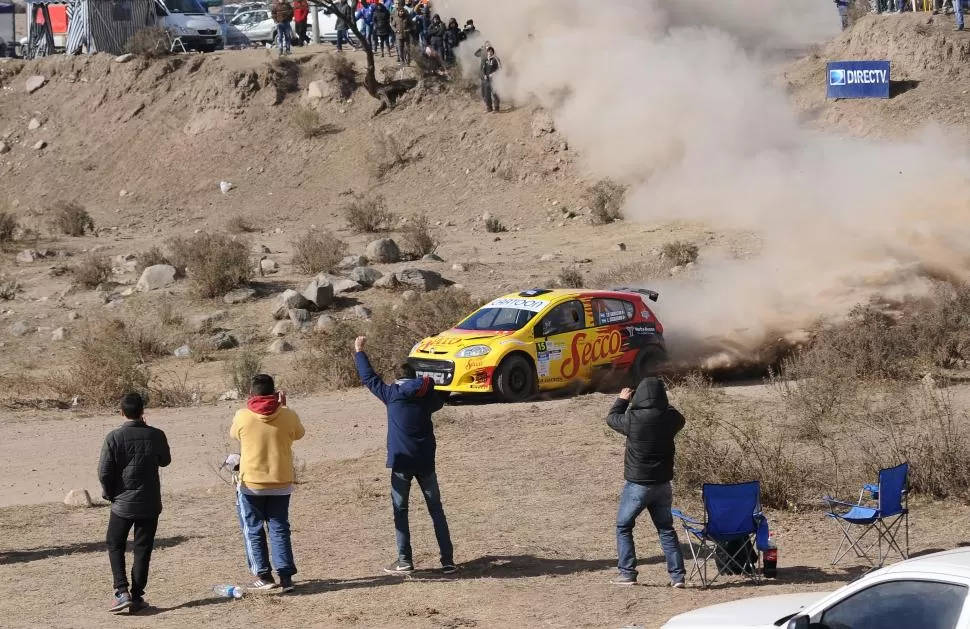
{"x": 555, "y": 294}
{"x": 950, "y": 562}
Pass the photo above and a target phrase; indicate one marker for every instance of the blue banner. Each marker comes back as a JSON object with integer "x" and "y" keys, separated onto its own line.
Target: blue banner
{"x": 857, "y": 79}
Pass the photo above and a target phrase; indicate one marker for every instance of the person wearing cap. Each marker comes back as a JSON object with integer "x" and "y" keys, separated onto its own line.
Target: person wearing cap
{"x": 411, "y": 447}
{"x": 266, "y": 430}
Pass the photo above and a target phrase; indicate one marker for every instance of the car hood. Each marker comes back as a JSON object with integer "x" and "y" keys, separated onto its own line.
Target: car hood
{"x": 447, "y": 343}
{"x": 751, "y": 613}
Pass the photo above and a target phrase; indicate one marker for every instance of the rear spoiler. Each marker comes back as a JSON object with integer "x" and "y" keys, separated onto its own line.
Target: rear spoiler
{"x": 652, "y": 295}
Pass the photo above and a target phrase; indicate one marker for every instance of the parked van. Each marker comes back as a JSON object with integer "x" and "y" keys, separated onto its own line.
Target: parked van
{"x": 190, "y": 21}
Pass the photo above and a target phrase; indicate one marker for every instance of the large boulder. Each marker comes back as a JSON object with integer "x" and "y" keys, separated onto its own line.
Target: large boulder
{"x": 290, "y": 299}
{"x": 384, "y": 251}
{"x": 155, "y": 277}
{"x": 78, "y": 498}
{"x": 420, "y": 279}
{"x": 352, "y": 262}
{"x": 223, "y": 340}
{"x": 365, "y": 275}
{"x": 347, "y": 286}
{"x": 320, "y": 293}
{"x": 389, "y": 281}
{"x": 279, "y": 346}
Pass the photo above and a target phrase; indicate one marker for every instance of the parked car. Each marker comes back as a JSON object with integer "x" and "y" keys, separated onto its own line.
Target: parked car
{"x": 328, "y": 27}
{"x": 190, "y": 21}
{"x": 258, "y": 26}
{"x": 928, "y": 592}
{"x": 543, "y": 340}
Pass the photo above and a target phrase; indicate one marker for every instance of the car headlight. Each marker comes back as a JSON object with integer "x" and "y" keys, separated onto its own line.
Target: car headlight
{"x": 473, "y": 351}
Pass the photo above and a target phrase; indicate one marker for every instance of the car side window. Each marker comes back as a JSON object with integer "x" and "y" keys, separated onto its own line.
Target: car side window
{"x": 567, "y": 317}
{"x": 610, "y": 311}
{"x": 899, "y": 605}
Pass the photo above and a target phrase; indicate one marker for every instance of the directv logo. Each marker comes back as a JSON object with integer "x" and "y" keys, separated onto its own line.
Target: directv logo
{"x": 836, "y": 77}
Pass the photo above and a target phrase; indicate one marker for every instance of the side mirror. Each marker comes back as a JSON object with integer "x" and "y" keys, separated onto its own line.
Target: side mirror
{"x": 799, "y": 622}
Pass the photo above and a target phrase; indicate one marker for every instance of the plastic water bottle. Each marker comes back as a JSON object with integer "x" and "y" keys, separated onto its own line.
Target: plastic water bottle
{"x": 771, "y": 559}
{"x": 228, "y": 591}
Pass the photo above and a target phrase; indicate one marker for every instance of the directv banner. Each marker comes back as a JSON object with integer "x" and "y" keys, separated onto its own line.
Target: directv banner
{"x": 858, "y": 79}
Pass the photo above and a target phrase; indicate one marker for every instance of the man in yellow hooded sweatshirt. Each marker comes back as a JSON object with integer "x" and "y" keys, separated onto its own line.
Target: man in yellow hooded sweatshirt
{"x": 266, "y": 430}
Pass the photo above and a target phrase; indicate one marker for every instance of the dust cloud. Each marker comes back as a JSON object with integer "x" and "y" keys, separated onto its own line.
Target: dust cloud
{"x": 675, "y": 97}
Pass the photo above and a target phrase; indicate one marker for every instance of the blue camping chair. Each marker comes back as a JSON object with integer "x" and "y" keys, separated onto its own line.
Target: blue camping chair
{"x": 885, "y": 518}
{"x": 734, "y": 525}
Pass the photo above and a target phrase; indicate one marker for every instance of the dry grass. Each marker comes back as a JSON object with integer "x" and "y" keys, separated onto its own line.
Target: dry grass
{"x": 417, "y": 236}
{"x": 149, "y": 43}
{"x": 309, "y": 123}
{"x": 368, "y": 215}
{"x": 679, "y": 253}
{"x": 605, "y": 200}
{"x": 9, "y": 289}
{"x": 8, "y": 229}
{"x": 570, "y": 277}
{"x": 240, "y": 370}
{"x": 70, "y": 218}
{"x": 344, "y": 73}
{"x": 494, "y": 226}
{"x": 327, "y": 361}
{"x": 391, "y": 152}
{"x": 631, "y": 274}
{"x": 170, "y": 390}
{"x": 215, "y": 263}
{"x": 93, "y": 269}
{"x": 241, "y": 225}
{"x": 155, "y": 256}
{"x": 318, "y": 252}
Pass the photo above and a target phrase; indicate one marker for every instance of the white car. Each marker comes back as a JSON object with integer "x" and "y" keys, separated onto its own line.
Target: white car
{"x": 258, "y": 26}
{"x": 927, "y": 592}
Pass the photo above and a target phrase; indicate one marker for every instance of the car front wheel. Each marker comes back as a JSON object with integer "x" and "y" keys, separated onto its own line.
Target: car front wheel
{"x": 515, "y": 380}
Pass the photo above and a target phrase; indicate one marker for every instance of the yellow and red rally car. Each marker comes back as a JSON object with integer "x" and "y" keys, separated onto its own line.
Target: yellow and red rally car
{"x": 542, "y": 340}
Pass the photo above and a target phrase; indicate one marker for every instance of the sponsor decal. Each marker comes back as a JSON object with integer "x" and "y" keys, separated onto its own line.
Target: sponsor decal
{"x": 599, "y": 348}
{"x": 532, "y": 305}
{"x": 476, "y": 363}
{"x": 837, "y": 77}
{"x": 546, "y": 353}
{"x": 436, "y": 376}
{"x": 641, "y": 329}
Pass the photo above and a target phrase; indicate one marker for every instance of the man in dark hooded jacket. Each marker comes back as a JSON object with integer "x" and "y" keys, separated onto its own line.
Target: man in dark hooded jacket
{"x": 411, "y": 449}
{"x": 650, "y": 425}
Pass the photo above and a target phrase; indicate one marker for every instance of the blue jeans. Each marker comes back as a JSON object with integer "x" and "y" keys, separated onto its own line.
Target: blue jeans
{"x": 342, "y": 39}
{"x": 283, "y": 35}
{"x": 400, "y": 492}
{"x": 657, "y": 500}
{"x": 958, "y": 10}
{"x": 254, "y": 512}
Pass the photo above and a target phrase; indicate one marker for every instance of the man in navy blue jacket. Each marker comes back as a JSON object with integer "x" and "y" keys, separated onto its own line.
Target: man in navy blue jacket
{"x": 411, "y": 447}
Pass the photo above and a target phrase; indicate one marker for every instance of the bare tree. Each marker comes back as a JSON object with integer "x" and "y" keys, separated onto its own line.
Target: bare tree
{"x": 374, "y": 87}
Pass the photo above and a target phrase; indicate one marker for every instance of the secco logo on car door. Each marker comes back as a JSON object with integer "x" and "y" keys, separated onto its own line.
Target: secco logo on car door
{"x": 601, "y": 347}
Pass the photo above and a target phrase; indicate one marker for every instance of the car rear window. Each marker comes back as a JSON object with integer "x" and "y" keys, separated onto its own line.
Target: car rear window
{"x": 610, "y": 311}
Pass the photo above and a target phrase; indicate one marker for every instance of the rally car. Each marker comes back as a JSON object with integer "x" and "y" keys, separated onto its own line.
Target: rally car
{"x": 543, "y": 340}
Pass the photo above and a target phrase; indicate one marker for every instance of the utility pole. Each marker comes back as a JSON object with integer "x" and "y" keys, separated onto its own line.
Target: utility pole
{"x": 315, "y": 11}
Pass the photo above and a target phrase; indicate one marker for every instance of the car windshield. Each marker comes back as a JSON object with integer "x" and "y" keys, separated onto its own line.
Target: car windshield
{"x": 497, "y": 319}
{"x": 187, "y": 7}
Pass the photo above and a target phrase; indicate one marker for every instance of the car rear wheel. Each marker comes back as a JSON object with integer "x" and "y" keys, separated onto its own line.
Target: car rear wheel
{"x": 515, "y": 380}
{"x": 648, "y": 363}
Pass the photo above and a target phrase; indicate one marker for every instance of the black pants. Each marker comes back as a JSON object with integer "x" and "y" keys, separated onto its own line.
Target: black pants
{"x": 118, "y": 529}
{"x": 489, "y": 96}
{"x": 301, "y": 35}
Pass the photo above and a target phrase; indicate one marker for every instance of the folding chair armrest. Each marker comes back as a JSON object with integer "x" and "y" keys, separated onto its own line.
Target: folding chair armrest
{"x": 677, "y": 513}
{"x": 838, "y": 503}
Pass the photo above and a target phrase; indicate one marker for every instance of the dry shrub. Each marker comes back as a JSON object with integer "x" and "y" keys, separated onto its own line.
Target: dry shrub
{"x": 152, "y": 257}
{"x": 8, "y": 228}
{"x": 92, "y": 270}
{"x": 307, "y": 121}
{"x": 494, "y": 226}
{"x": 679, "y": 253}
{"x": 149, "y": 43}
{"x": 570, "y": 277}
{"x": 318, "y": 252}
{"x": 241, "y": 369}
{"x": 939, "y": 327}
{"x": 344, "y": 73}
{"x": 418, "y": 239}
{"x": 327, "y": 361}
{"x": 215, "y": 263}
{"x": 172, "y": 391}
{"x": 71, "y": 219}
{"x": 390, "y": 152}
{"x": 168, "y": 314}
{"x": 631, "y": 274}
{"x": 240, "y": 225}
{"x": 605, "y": 200}
{"x": 9, "y": 290}
{"x": 367, "y": 215}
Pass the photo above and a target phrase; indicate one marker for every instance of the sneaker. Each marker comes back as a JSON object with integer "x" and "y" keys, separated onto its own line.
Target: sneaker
{"x": 622, "y": 579}
{"x": 137, "y": 605}
{"x": 263, "y": 583}
{"x": 679, "y": 585}
{"x": 400, "y": 567}
{"x": 121, "y": 603}
{"x": 286, "y": 585}
{"x": 448, "y": 567}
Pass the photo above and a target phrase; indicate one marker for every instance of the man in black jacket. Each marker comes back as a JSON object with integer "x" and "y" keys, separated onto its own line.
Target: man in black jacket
{"x": 650, "y": 425}
{"x": 128, "y": 471}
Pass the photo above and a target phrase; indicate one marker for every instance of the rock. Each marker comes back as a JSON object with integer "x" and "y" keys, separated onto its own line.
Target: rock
{"x": 346, "y": 286}
{"x": 326, "y": 323}
{"x": 432, "y": 258}
{"x": 298, "y": 316}
{"x": 290, "y": 299}
{"x": 279, "y": 346}
{"x": 486, "y": 216}
{"x": 419, "y": 279}
{"x": 125, "y": 58}
{"x": 34, "y": 83}
{"x": 73, "y": 316}
{"x": 619, "y": 247}
{"x": 183, "y": 352}
{"x": 27, "y": 256}
{"x": 33, "y": 125}
{"x": 352, "y": 262}
{"x": 4, "y": 148}
{"x": 547, "y": 258}
{"x": 200, "y": 323}
{"x": 239, "y": 296}
{"x": 225, "y": 186}
{"x": 460, "y": 268}
{"x": 122, "y": 194}
{"x": 365, "y": 275}
{"x": 317, "y": 90}
{"x": 542, "y": 123}
{"x": 409, "y": 295}
{"x": 21, "y": 328}
{"x": 268, "y": 266}
{"x": 59, "y": 334}
{"x": 156, "y": 277}
{"x": 362, "y": 313}
{"x": 384, "y": 251}
{"x": 40, "y": 146}
{"x": 223, "y": 340}
{"x": 78, "y": 498}
{"x": 320, "y": 293}
{"x": 389, "y": 281}
{"x": 282, "y": 328}
{"x": 230, "y": 395}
